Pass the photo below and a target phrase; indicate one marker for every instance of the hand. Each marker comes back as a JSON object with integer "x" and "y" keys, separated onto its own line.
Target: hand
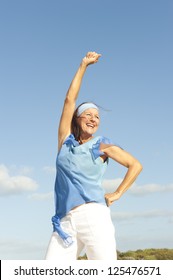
{"x": 91, "y": 58}
{"x": 111, "y": 197}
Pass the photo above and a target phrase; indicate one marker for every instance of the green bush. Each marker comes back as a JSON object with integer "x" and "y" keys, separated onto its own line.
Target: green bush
{"x": 147, "y": 254}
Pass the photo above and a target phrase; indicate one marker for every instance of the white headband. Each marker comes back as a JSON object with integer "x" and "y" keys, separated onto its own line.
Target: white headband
{"x": 84, "y": 107}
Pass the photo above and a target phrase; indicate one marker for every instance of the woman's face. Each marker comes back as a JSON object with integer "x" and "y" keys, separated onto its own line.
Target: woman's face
{"x": 89, "y": 121}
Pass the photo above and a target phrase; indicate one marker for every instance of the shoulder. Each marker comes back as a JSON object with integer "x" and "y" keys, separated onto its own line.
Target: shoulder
{"x": 67, "y": 139}
{"x": 103, "y": 139}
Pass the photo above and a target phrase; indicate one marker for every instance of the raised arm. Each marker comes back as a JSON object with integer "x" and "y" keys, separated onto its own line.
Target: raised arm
{"x": 127, "y": 160}
{"x": 71, "y": 97}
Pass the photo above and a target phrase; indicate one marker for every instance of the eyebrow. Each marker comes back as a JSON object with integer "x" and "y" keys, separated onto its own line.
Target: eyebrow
{"x": 97, "y": 115}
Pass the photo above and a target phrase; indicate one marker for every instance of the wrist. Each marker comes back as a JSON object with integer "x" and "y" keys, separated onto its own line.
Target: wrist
{"x": 83, "y": 65}
{"x": 118, "y": 192}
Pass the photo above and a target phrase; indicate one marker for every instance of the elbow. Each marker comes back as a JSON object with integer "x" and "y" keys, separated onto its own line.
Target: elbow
{"x": 138, "y": 166}
{"x": 69, "y": 100}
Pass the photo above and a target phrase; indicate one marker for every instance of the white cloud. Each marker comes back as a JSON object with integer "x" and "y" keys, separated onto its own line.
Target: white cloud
{"x": 17, "y": 184}
{"x": 41, "y": 196}
{"x": 122, "y": 216}
{"x": 22, "y": 170}
{"x": 25, "y": 170}
{"x": 111, "y": 185}
{"x": 151, "y": 188}
{"x": 49, "y": 169}
{"x": 138, "y": 240}
{"x": 138, "y": 190}
{"x": 170, "y": 219}
{"x": 14, "y": 249}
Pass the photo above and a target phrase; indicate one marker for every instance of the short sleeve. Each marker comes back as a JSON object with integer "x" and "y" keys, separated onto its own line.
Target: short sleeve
{"x": 96, "y": 152}
{"x": 71, "y": 141}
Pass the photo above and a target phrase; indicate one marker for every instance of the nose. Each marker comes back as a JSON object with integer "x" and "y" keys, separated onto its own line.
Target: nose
{"x": 92, "y": 118}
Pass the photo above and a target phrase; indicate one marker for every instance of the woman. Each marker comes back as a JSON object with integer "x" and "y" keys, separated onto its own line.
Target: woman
{"x": 82, "y": 217}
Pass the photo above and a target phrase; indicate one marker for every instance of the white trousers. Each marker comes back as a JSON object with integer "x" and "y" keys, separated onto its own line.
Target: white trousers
{"x": 91, "y": 227}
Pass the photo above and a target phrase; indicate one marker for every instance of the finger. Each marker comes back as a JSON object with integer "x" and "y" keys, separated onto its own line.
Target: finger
{"x": 89, "y": 54}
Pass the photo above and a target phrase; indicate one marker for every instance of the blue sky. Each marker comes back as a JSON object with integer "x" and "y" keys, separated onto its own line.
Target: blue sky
{"x": 42, "y": 44}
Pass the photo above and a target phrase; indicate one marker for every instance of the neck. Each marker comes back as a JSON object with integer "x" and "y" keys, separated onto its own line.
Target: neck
{"x": 83, "y": 139}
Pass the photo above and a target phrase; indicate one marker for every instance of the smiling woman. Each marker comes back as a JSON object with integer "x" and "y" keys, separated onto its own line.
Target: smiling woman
{"x": 82, "y": 216}
{"x": 85, "y": 121}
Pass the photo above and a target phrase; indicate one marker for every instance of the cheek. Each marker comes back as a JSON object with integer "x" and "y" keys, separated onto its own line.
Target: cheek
{"x": 98, "y": 122}
{"x": 81, "y": 122}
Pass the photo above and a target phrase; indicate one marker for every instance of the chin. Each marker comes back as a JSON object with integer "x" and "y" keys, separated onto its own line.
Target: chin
{"x": 93, "y": 131}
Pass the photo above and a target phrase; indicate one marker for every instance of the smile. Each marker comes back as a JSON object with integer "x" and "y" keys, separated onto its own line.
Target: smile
{"x": 90, "y": 125}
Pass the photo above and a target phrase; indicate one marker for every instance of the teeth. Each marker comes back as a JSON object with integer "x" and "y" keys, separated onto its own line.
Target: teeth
{"x": 90, "y": 125}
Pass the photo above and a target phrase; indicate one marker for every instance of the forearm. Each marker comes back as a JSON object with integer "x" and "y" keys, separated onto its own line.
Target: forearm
{"x": 75, "y": 85}
{"x": 130, "y": 177}
{"x": 90, "y": 58}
